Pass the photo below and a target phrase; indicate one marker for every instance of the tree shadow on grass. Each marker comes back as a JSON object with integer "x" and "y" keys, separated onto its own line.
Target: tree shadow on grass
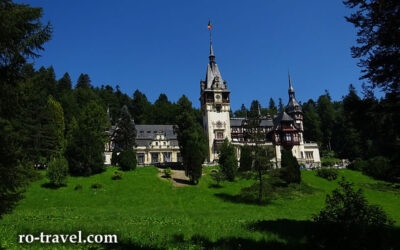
{"x": 295, "y": 232}
{"x": 50, "y": 185}
{"x": 243, "y": 198}
{"x": 9, "y": 202}
{"x": 198, "y": 241}
{"x": 289, "y": 234}
{"x": 310, "y": 235}
{"x": 182, "y": 181}
{"x": 214, "y": 186}
{"x": 127, "y": 245}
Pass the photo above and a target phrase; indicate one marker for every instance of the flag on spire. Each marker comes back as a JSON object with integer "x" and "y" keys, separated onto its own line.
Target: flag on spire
{"x": 209, "y": 25}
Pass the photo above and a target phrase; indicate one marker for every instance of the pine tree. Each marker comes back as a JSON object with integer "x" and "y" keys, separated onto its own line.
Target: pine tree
{"x": 290, "y": 168}
{"x": 352, "y": 120}
{"x": 312, "y": 122}
{"x": 326, "y": 113}
{"x": 140, "y": 108}
{"x": 272, "y": 107}
{"x": 85, "y": 149}
{"x": 260, "y": 156}
{"x": 255, "y": 108}
{"x": 125, "y": 134}
{"x": 245, "y": 158}
{"x": 378, "y": 34}
{"x": 228, "y": 160}
{"x": 83, "y": 81}
{"x": 192, "y": 140}
{"x": 280, "y": 106}
{"x": 242, "y": 112}
{"x": 22, "y": 37}
{"x": 261, "y": 163}
{"x": 54, "y": 127}
{"x": 64, "y": 84}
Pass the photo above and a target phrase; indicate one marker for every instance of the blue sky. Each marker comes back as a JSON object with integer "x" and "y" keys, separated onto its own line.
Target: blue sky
{"x": 162, "y": 46}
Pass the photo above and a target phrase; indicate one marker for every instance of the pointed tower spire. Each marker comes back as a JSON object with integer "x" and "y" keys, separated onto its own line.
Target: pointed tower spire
{"x": 212, "y": 57}
{"x": 291, "y": 89}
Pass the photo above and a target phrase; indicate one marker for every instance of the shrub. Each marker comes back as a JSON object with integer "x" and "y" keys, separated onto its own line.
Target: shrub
{"x": 117, "y": 175}
{"x": 217, "y": 177}
{"x": 168, "y": 172}
{"x": 57, "y": 172}
{"x": 327, "y": 173}
{"x": 127, "y": 160}
{"x": 349, "y": 221}
{"x": 357, "y": 165}
{"x": 78, "y": 187}
{"x": 290, "y": 171}
{"x": 378, "y": 168}
{"x": 329, "y": 162}
{"x": 96, "y": 186}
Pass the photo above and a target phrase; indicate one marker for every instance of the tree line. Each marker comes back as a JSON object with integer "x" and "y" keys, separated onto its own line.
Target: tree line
{"x": 46, "y": 121}
{"x": 44, "y": 118}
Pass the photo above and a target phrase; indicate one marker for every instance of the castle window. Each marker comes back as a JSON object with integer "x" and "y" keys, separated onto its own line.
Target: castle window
{"x": 154, "y": 157}
{"x": 140, "y": 157}
{"x": 220, "y": 135}
{"x": 167, "y": 156}
{"x": 178, "y": 157}
{"x": 218, "y": 108}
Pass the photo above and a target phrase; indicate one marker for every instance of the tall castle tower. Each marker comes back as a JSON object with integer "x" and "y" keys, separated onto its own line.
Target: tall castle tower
{"x": 294, "y": 110}
{"x": 215, "y": 107}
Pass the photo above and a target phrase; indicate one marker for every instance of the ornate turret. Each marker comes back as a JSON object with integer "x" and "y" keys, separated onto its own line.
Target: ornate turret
{"x": 294, "y": 108}
{"x": 293, "y": 105}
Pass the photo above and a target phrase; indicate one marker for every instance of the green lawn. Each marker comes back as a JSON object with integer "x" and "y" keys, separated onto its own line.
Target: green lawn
{"x": 146, "y": 211}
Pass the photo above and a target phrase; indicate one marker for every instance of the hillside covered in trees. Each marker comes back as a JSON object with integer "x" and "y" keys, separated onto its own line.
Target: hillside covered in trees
{"x": 42, "y": 117}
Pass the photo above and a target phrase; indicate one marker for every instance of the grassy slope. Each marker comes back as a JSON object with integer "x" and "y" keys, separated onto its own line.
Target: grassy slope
{"x": 143, "y": 209}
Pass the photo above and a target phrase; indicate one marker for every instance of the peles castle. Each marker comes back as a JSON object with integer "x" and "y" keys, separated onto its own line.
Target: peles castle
{"x": 158, "y": 144}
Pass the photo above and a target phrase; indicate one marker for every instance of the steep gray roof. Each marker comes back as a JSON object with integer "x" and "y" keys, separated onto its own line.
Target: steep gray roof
{"x": 150, "y": 131}
{"x": 143, "y": 143}
{"x": 293, "y": 105}
{"x": 282, "y": 117}
{"x": 266, "y": 123}
{"x": 236, "y": 122}
{"x": 213, "y": 74}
